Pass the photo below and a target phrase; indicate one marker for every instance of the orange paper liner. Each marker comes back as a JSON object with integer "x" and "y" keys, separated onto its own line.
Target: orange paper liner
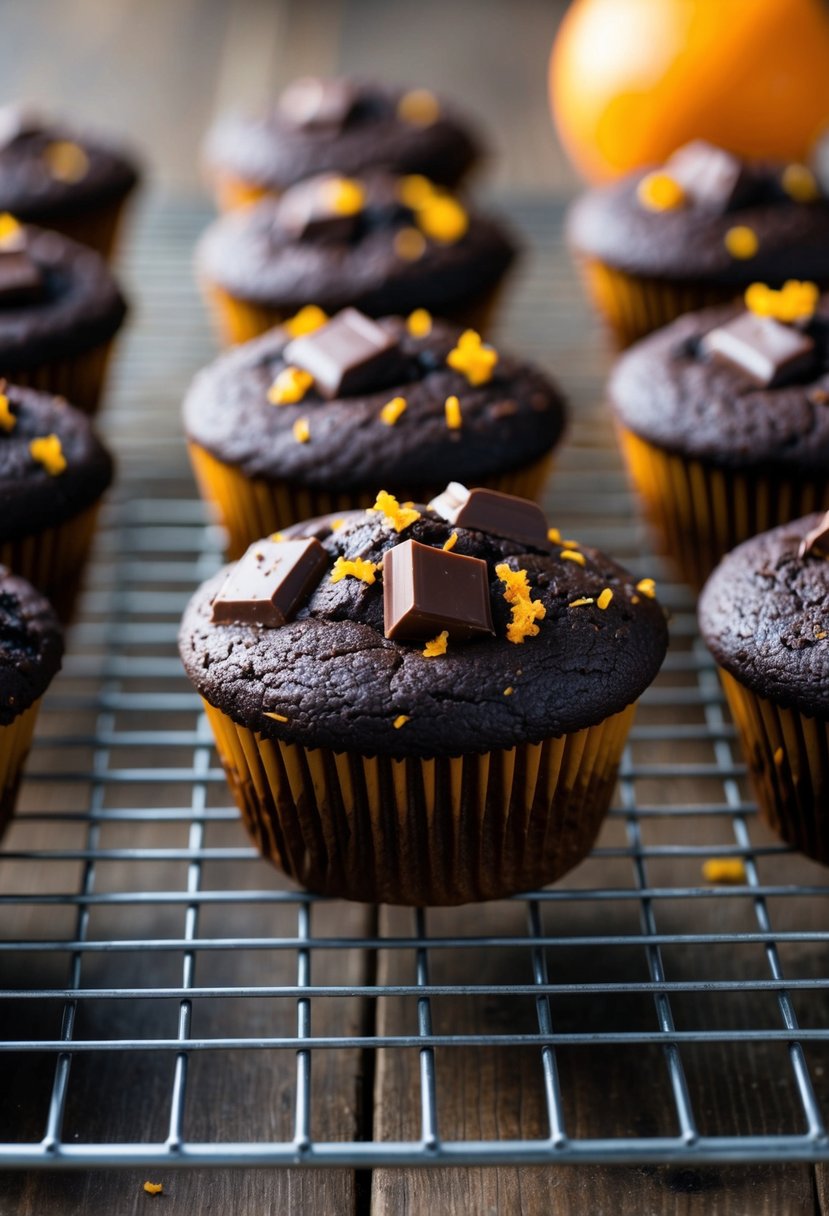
{"x": 251, "y": 508}
{"x": 424, "y": 831}
{"x": 53, "y": 560}
{"x": 80, "y": 378}
{"x": 633, "y": 306}
{"x": 788, "y": 759}
{"x": 96, "y": 227}
{"x": 15, "y": 741}
{"x": 701, "y": 511}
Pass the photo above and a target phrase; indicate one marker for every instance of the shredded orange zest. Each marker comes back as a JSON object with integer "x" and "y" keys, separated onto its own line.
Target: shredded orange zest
{"x": 660, "y": 192}
{"x": 452, "y": 410}
{"x": 7, "y": 419}
{"x": 419, "y": 107}
{"x": 570, "y": 555}
{"x": 800, "y": 183}
{"x": 604, "y": 599}
{"x": 436, "y": 646}
{"x": 724, "y": 870}
{"x": 571, "y": 544}
{"x": 525, "y": 611}
{"x": 647, "y": 587}
{"x": 634, "y": 599}
{"x": 277, "y": 717}
{"x": 277, "y": 536}
{"x": 399, "y": 517}
{"x": 409, "y": 244}
{"x": 449, "y": 544}
{"x": 399, "y": 721}
{"x": 66, "y": 161}
{"x": 290, "y": 386}
{"x": 509, "y": 690}
{"x": 779, "y": 756}
{"x": 554, "y": 536}
{"x": 795, "y": 301}
{"x": 741, "y": 242}
{"x": 443, "y": 220}
{"x": 306, "y": 321}
{"x": 10, "y": 229}
{"x": 336, "y": 524}
{"x": 153, "y": 1188}
{"x": 580, "y": 603}
{"x": 301, "y": 430}
{"x": 419, "y": 323}
{"x": 392, "y": 410}
{"x": 414, "y": 190}
{"x": 820, "y": 635}
{"x": 48, "y": 452}
{"x": 345, "y": 196}
{"x": 472, "y": 358}
{"x": 357, "y": 567}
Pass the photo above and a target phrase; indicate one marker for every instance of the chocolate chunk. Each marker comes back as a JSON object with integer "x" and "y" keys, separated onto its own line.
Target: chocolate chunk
{"x": 21, "y": 280}
{"x": 710, "y": 176}
{"x": 427, "y": 590}
{"x": 350, "y": 354}
{"x": 769, "y": 352}
{"x": 16, "y": 122}
{"x": 490, "y": 511}
{"x": 310, "y": 102}
{"x": 816, "y": 542}
{"x": 270, "y": 582}
{"x": 308, "y": 211}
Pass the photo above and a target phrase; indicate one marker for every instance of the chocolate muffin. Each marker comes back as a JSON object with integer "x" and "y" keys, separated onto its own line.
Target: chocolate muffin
{"x": 287, "y": 426}
{"x": 696, "y": 232}
{"x": 63, "y": 178}
{"x": 763, "y": 615}
{"x": 723, "y": 417}
{"x": 60, "y": 309}
{"x": 379, "y": 243}
{"x": 423, "y": 705}
{"x": 31, "y": 648}
{"x": 341, "y": 126}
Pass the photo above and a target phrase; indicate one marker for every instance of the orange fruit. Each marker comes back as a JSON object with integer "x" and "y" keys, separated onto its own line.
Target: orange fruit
{"x": 632, "y": 80}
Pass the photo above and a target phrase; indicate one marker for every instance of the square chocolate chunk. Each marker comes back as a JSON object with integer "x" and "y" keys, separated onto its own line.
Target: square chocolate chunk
{"x": 269, "y": 583}
{"x": 350, "y": 354}
{"x": 21, "y": 280}
{"x": 710, "y": 176}
{"x": 767, "y": 351}
{"x": 427, "y": 590}
{"x": 307, "y": 211}
{"x": 491, "y": 511}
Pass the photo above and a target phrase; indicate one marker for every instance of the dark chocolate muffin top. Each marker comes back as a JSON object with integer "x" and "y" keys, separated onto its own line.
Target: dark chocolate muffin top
{"x": 52, "y": 464}
{"x": 572, "y": 638}
{"x": 677, "y": 390}
{"x": 31, "y": 645}
{"x": 708, "y": 216}
{"x": 764, "y": 615}
{"x": 396, "y": 428}
{"x": 345, "y": 126}
{"x": 57, "y": 298}
{"x": 380, "y": 243}
{"x": 51, "y": 169}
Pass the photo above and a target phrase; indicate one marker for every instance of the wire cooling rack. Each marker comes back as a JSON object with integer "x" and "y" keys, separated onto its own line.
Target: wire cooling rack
{"x": 166, "y": 998}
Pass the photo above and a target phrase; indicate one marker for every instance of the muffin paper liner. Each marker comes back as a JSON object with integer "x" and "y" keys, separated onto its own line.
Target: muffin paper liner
{"x": 53, "y": 560}
{"x": 240, "y": 320}
{"x": 701, "y": 510}
{"x": 80, "y": 379}
{"x": 788, "y": 758}
{"x": 633, "y": 306}
{"x": 96, "y": 227}
{"x": 445, "y": 830}
{"x": 15, "y": 741}
{"x": 251, "y": 508}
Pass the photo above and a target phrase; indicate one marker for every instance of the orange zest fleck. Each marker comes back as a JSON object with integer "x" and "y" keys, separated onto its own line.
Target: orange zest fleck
{"x": 392, "y": 410}
{"x": 10, "y": 229}
{"x": 336, "y": 524}
{"x": 356, "y": 567}
{"x": 419, "y": 107}
{"x": 724, "y": 871}
{"x": 571, "y": 555}
{"x": 301, "y": 430}
{"x": 443, "y": 219}
{"x": 449, "y": 544}
{"x": 554, "y": 536}
{"x": 452, "y": 409}
{"x": 419, "y": 323}
{"x": 525, "y": 610}
{"x": 795, "y": 301}
{"x": 48, "y": 451}
{"x": 399, "y": 517}
{"x": 580, "y": 603}
{"x": 414, "y": 190}
{"x": 277, "y": 536}
{"x": 660, "y": 192}
{"x": 290, "y": 386}
{"x": 741, "y": 242}
{"x": 779, "y": 756}
{"x": 345, "y": 196}
{"x": 399, "y": 721}
{"x": 7, "y": 419}
{"x": 66, "y": 161}
{"x": 409, "y": 244}
{"x": 604, "y": 599}
{"x": 647, "y": 587}
{"x": 436, "y": 646}
{"x": 800, "y": 183}
{"x": 509, "y": 690}
{"x": 154, "y": 1188}
{"x": 473, "y": 358}
{"x": 276, "y": 717}
{"x": 306, "y": 321}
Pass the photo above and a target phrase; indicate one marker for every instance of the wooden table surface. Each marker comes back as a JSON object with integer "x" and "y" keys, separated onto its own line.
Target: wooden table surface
{"x": 160, "y": 70}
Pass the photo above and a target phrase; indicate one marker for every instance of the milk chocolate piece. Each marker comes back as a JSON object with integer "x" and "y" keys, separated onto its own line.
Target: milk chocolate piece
{"x": 711, "y": 177}
{"x": 306, "y": 212}
{"x": 269, "y": 583}
{"x": 427, "y": 590}
{"x": 769, "y": 352}
{"x": 349, "y": 354}
{"x": 21, "y": 280}
{"x": 816, "y": 542}
{"x": 310, "y": 103}
{"x": 490, "y": 511}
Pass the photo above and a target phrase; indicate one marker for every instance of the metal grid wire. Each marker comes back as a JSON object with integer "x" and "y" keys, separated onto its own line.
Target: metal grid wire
{"x": 145, "y": 948}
